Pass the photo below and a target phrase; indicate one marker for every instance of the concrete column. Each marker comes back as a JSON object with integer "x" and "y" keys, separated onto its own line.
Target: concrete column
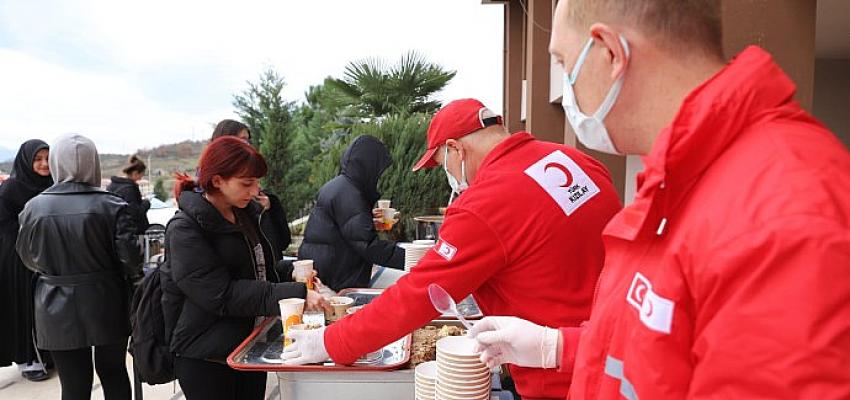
{"x": 543, "y": 119}
{"x": 513, "y": 66}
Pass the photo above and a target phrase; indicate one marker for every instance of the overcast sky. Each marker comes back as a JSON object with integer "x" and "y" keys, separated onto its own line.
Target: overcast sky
{"x": 135, "y": 75}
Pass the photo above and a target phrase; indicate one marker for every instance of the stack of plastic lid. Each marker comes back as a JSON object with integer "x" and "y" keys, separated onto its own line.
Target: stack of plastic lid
{"x": 426, "y": 380}
{"x": 413, "y": 252}
{"x": 460, "y": 373}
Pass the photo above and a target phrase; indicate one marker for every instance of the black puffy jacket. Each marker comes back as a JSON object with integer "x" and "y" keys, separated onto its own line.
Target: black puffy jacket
{"x": 211, "y": 295}
{"x": 340, "y": 236}
{"x": 129, "y": 191}
{"x": 81, "y": 240}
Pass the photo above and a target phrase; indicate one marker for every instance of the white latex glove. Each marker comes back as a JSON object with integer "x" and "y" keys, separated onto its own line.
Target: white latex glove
{"x": 511, "y": 340}
{"x": 308, "y": 347}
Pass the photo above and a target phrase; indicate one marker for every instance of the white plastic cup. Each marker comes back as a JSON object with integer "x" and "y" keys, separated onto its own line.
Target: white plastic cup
{"x": 303, "y": 271}
{"x": 291, "y": 311}
{"x": 388, "y": 215}
{"x": 384, "y": 203}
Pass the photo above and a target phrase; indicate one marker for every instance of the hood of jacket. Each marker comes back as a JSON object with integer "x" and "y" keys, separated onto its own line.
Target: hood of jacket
{"x": 363, "y": 162}
{"x": 196, "y": 207}
{"x": 74, "y": 158}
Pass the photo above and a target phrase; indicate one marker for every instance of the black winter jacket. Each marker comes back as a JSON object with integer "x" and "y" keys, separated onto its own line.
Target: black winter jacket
{"x": 340, "y": 236}
{"x": 81, "y": 240}
{"x": 129, "y": 191}
{"x": 211, "y": 294}
{"x": 275, "y": 227}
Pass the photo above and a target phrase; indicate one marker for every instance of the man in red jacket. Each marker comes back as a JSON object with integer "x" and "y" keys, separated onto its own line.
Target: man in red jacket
{"x": 524, "y": 238}
{"x": 729, "y": 275}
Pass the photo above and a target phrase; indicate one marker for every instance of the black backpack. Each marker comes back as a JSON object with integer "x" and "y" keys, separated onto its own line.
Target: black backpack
{"x": 153, "y": 361}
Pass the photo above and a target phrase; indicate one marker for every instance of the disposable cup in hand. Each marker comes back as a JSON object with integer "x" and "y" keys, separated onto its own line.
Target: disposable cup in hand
{"x": 384, "y": 203}
{"x": 303, "y": 271}
{"x": 291, "y": 311}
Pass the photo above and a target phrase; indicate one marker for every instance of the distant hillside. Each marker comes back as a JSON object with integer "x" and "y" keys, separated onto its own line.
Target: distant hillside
{"x": 164, "y": 160}
{"x": 7, "y": 154}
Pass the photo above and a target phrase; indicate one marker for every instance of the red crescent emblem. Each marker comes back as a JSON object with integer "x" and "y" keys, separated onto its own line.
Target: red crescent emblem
{"x": 563, "y": 169}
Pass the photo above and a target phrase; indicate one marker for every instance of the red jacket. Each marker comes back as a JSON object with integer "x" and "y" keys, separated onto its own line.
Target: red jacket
{"x": 512, "y": 245}
{"x": 729, "y": 276}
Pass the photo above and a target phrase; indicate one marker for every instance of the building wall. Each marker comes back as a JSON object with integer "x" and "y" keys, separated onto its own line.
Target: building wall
{"x": 832, "y": 96}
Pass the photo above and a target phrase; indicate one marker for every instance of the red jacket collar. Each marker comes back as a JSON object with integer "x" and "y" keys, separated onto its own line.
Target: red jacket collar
{"x": 710, "y": 119}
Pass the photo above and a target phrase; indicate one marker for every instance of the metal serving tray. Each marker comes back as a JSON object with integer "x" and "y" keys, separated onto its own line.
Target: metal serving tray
{"x": 261, "y": 351}
{"x": 468, "y": 307}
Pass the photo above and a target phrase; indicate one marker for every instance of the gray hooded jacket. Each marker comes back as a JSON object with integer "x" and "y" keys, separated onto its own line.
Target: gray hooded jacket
{"x": 81, "y": 241}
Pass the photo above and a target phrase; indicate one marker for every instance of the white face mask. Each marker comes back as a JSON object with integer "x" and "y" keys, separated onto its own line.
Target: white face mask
{"x": 457, "y": 186}
{"x": 590, "y": 130}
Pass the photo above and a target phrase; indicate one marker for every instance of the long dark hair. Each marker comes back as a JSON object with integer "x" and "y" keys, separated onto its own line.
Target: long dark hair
{"x": 134, "y": 164}
{"x": 227, "y": 157}
{"x": 229, "y": 127}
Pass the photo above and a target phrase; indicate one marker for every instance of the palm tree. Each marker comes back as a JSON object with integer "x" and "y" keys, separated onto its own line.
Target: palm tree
{"x": 371, "y": 89}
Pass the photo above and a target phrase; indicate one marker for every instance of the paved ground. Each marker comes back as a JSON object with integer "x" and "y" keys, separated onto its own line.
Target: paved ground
{"x": 13, "y": 387}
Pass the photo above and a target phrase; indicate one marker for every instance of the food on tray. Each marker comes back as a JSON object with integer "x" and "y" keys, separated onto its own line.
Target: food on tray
{"x": 424, "y": 347}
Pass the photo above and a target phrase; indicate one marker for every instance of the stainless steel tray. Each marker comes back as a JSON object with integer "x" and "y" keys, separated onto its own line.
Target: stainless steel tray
{"x": 261, "y": 352}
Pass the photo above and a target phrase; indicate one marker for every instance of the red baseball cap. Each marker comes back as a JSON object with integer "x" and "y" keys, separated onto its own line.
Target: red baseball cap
{"x": 455, "y": 120}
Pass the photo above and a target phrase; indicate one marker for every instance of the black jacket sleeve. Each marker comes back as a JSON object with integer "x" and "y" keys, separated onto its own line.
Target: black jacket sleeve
{"x": 127, "y": 245}
{"x": 209, "y": 285}
{"x": 358, "y": 231}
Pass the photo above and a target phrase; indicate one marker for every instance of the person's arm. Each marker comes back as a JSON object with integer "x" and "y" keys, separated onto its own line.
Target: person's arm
{"x": 472, "y": 253}
{"x": 773, "y": 313}
{"x": 127, "y": 246}
{"x": 359, "y": 232}
{"x": 198, "y": 273}
{"x": 26, "y": 244}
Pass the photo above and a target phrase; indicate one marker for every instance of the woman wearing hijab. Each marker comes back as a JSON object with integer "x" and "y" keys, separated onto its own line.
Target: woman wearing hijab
{"x": 30, "y": 176}
{"x": 81, "y": 241}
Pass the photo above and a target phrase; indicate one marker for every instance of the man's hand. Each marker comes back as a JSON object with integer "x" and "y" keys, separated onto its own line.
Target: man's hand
{"x": 308, "y": 347}
{"x": 511, "y": 340}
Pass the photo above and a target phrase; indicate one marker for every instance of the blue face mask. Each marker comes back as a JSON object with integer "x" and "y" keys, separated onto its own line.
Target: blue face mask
{"x": 457, "y": 186}
{"x": 591, "y": 130}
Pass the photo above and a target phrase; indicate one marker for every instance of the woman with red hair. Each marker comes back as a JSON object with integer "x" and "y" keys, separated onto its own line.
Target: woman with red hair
{"x": 221, "y": 273}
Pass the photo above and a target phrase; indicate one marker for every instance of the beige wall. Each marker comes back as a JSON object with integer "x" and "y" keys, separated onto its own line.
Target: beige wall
{"x": 832, "y": 95}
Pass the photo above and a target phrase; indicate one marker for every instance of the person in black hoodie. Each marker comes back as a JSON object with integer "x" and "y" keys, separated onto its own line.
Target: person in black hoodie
{"x": 340, "y": 236}
{"x": 273, "y": 219}
{"x": 80, "y": 240}
{"x": 30, "y": 176}
{"x": 127, "y": 187}
{"x": 220, "y": 274}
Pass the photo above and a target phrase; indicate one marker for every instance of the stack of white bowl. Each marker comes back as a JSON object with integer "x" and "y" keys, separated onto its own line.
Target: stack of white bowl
{"x": 413, "y": 252}
{"x": 460, "y": 373}
{"x": 425, "y": 376}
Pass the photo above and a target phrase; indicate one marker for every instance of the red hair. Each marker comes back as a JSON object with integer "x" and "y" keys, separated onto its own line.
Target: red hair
{"x": 227, "y": 157}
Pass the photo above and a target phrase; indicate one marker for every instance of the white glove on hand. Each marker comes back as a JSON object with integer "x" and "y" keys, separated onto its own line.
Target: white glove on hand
{"x": 308, "y": 347}
{"x": 511, "y": 340}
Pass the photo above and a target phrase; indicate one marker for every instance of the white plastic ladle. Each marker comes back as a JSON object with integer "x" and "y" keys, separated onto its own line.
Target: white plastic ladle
{"x": 445, "y": 303}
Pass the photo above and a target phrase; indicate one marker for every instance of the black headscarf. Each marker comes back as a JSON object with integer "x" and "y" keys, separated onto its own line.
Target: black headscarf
{"x": 23, "y": 183}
